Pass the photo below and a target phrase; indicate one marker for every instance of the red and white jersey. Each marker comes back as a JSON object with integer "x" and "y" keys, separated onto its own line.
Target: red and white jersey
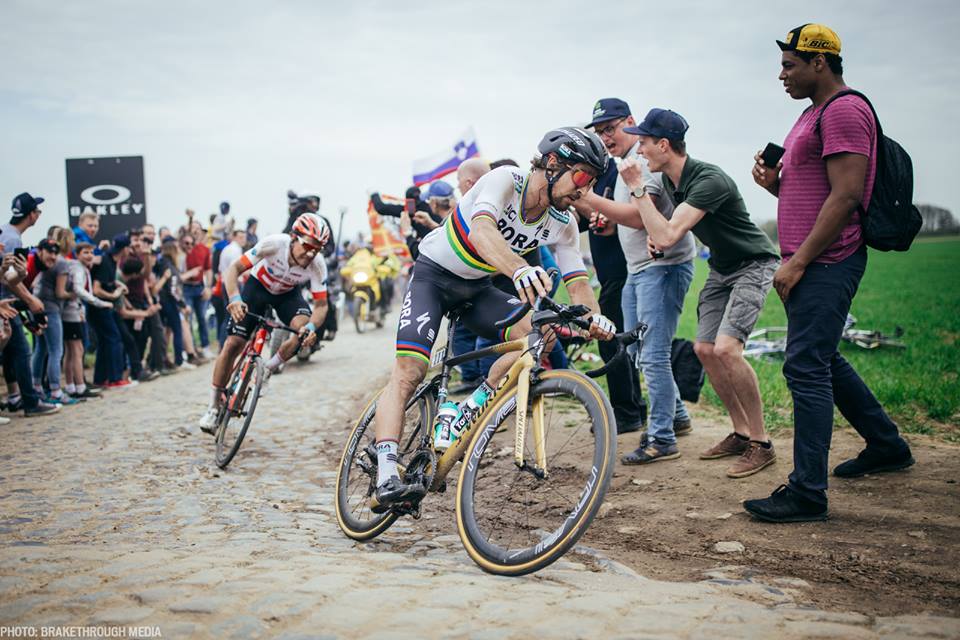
{"x": 270, "y": 262}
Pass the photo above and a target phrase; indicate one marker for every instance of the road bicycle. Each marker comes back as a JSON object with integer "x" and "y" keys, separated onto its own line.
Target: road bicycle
{"x": 239, "y": 400}
{"x": 537, "y": 458}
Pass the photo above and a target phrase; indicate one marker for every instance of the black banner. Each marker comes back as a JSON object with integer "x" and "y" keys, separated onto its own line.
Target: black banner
{"x": 110, "y": 187}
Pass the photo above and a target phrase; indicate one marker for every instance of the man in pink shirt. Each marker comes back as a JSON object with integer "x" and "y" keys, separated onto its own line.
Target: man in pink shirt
{"x": 825, "y": 178}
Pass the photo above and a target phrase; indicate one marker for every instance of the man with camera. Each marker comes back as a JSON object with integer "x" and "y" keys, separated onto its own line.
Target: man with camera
{"x": 742, "y": 262}
{"x": 24, "y": 213}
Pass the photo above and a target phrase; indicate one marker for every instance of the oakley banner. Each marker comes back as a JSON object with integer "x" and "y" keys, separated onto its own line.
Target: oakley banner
{"x": 110, "y": 187}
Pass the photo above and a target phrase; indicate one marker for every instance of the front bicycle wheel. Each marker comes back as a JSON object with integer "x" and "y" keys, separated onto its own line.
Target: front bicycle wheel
{"x": 237, "y": 412}
{"x": 357, "y": 476}
{"x": 513, "y": 522}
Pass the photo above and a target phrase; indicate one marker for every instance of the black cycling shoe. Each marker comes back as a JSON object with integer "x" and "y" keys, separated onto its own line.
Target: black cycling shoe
{"x": 394, "y": 491}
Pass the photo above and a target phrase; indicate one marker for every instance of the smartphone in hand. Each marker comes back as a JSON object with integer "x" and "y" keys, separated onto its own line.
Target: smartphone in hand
{"x": 410, "y": 206}
{"x": 772, "y": 154}
{"x": 21, "y": 252}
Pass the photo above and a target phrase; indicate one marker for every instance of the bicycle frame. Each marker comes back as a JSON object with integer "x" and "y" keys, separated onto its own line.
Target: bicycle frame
{"x": 518, "y": 376}
{"x": 247, "y": 357}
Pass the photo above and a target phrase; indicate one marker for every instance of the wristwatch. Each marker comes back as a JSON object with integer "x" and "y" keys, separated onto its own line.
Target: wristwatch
{"x": 639, "y": 193}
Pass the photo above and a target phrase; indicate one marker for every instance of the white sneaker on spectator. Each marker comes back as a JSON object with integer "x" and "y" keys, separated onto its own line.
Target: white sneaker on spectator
{"x": 186, "y": 366}
{"x": 4, "y": 420}
{"x": 208, "y": 421}
{"x": 206, "y": 353}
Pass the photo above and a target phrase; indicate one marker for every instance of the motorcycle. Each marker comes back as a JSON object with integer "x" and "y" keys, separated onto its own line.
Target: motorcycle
{"x": 362, "y": 284}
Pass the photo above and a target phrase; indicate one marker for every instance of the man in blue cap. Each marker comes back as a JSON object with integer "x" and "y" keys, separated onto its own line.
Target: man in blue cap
{"x": 654, "y": 289}
{"x": 24, "y": 213}
{"x": 742, "y": 263}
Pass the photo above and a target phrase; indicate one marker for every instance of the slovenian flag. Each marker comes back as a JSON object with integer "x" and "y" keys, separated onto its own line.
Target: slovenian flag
{"x": 445, "y": 162}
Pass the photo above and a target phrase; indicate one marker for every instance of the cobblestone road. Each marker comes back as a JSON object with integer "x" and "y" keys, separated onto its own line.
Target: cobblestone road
{"x": 112, "y": 513}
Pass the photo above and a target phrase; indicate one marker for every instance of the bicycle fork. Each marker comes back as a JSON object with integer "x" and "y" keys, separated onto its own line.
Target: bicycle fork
{"x": 539, "y": 468}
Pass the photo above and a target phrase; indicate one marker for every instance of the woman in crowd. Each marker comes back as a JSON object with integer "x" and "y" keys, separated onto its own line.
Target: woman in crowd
{"x": 51, "y": 281}
{"x": 169, "y": 289}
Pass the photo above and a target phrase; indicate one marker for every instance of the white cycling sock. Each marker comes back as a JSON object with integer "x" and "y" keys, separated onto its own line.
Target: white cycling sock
{"x": 215, "y": 396}
{"x": 274, "y": 362}
{"x": 386, "y": 460}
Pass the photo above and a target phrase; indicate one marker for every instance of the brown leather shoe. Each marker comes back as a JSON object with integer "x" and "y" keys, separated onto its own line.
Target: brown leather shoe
{"x": 732, "y": 445}
{"x": 755, "y": 458}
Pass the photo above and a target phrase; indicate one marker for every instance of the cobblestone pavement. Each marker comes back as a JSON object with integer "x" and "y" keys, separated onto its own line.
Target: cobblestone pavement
{"x": 112, "y": 513}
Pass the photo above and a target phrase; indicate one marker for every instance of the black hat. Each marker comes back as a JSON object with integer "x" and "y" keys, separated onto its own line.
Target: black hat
{"x": 661, "y": 123}
{"x": 24, "y": 204}
{"x": 608, "y": 109}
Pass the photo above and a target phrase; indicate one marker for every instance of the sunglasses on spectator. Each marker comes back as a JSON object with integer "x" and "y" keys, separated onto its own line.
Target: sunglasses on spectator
{"x": 609, "y": 129}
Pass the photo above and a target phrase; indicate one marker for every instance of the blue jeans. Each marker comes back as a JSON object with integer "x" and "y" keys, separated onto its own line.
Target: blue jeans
{"x": 17, "y": 352}
{"x": 819, "y": 378}
{"x": 654, "y": 296}
{"x": 48, "y": 346}
{"x": 109, "y": 364}
{"x": 193, "y": 295}
{"x": 171, "y": 319}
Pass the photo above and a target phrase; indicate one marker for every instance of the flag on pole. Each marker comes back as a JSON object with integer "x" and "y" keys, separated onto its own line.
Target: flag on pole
{"x": 444, "y": 162}
{"x": 384, "y": 239}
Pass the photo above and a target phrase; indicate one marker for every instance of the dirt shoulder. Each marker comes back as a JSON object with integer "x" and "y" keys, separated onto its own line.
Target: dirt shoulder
{"x": 890, "y": 546}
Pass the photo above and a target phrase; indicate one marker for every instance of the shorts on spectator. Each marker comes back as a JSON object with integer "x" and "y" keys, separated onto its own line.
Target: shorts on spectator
{"x": 72, "y": 330}
{"x": 730, "y": 304}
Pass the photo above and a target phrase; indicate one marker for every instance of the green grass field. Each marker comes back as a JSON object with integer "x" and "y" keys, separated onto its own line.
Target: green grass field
{"x": 918, "y": 385}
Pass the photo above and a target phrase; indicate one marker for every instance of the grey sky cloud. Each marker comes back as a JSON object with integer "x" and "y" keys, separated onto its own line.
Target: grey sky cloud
{"x": 242, "y": 100}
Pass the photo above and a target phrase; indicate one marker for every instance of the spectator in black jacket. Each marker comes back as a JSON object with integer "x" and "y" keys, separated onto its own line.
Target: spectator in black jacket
{"x": 422, "y": 222}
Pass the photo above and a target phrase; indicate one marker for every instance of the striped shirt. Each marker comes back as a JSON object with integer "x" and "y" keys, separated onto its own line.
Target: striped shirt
{"x": 498, "y": 196}
{"x": 847, "y": 126}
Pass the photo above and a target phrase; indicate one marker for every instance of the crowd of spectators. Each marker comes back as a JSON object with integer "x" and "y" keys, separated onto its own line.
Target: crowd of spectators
{"x": 130, "y": 303}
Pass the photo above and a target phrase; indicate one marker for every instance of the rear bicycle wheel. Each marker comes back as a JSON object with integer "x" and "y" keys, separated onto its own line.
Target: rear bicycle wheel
{"x": 357, "y": 474}
{"x": 512, "y": 522}
{"x": 237, "y": 412}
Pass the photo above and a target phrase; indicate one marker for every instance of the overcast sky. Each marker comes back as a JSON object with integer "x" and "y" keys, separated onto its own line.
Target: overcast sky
{"x": 243, "y": 100}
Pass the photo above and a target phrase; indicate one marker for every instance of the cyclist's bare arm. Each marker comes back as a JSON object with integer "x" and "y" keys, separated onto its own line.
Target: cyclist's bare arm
{"x": 231, "y": 277}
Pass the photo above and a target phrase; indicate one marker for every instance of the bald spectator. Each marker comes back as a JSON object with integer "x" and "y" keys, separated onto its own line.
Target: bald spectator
{"x": 469, "y": 172}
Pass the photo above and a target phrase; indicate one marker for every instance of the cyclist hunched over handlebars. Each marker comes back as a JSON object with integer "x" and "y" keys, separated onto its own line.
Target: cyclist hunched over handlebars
{"x": 508, "y": 213}
{"x": 280, "y": 264}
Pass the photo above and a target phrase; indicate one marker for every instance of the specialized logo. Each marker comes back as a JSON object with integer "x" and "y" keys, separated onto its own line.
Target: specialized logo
{"x": 577, "y": 136}
{"x": 422, "y": 320}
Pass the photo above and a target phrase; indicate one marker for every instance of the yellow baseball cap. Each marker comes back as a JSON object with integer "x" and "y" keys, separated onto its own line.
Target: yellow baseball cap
{"x": 813, "y": 38}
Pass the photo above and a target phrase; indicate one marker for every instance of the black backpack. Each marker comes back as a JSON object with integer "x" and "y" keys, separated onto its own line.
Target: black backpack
{"x": 687, "y": 370}
{"x": 891, "y": 222}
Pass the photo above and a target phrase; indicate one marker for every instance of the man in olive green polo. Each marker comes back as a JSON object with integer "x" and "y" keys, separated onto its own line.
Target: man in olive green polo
{"x": 742, "y": 263}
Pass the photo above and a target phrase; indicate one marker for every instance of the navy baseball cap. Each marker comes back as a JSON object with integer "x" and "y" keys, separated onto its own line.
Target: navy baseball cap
{"x": 24, "y": 204}
{"x": 438, "y": 189}
{"x": 120, "y": 242}
{"x": 608, "y": 109}
{"x": 661, "y": 123}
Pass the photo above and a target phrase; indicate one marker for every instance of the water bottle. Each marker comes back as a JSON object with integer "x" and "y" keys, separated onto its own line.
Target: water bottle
{"x": 442, "y": 437}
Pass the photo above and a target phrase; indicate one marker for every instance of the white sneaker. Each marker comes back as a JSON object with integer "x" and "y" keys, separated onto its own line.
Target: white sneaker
{"x": 205, "y": 352}
{"x": 4, "y": 420}
{"x": 187, "y": 366}
{"x": 208, "y": 421}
